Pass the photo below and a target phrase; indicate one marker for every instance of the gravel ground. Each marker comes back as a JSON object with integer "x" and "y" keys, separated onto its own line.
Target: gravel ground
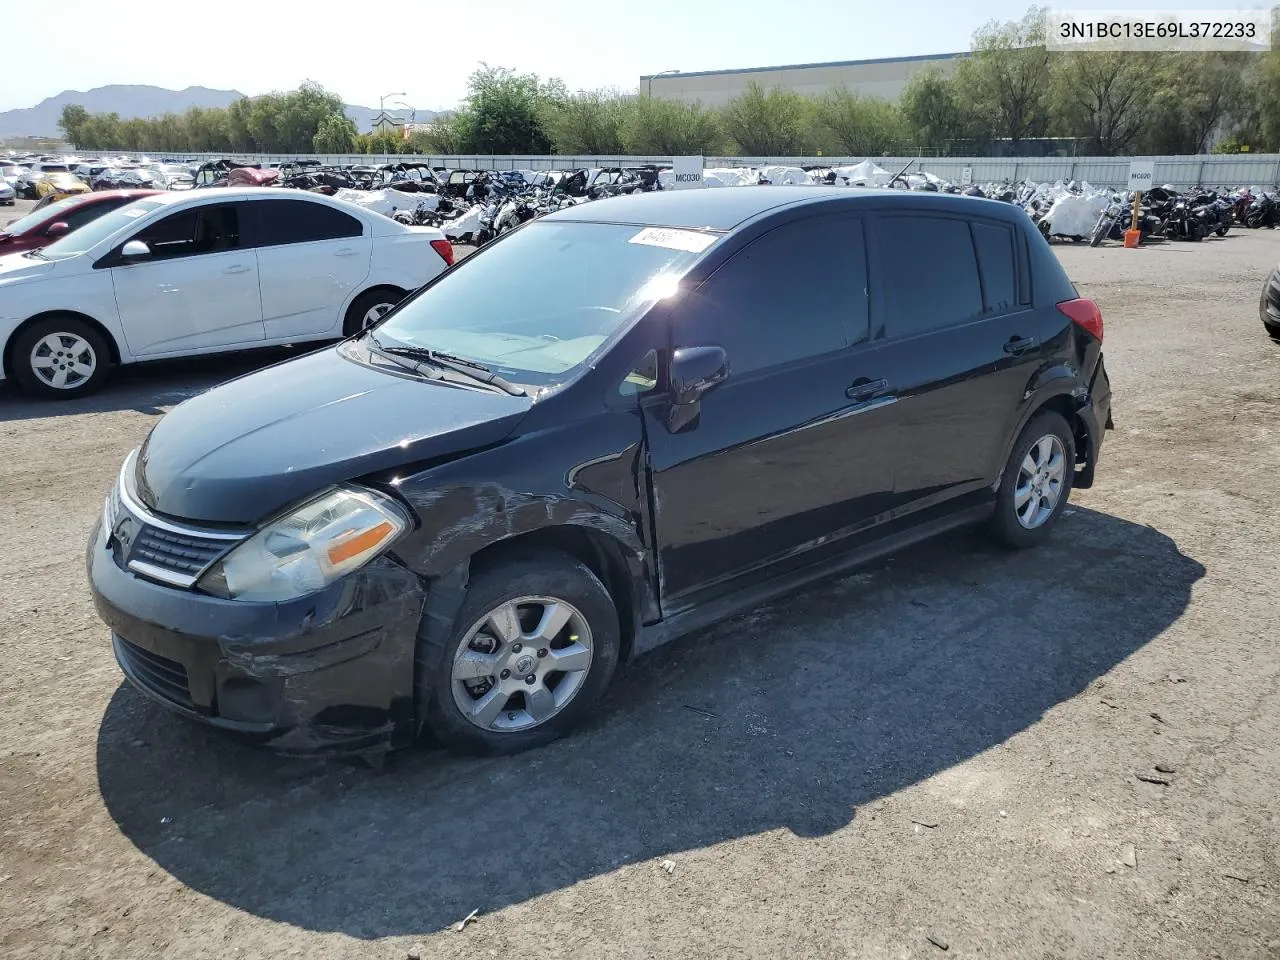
{"x": 941, "y": 752}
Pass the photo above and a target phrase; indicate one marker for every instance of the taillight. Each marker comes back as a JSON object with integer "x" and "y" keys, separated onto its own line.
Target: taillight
{"x": 445, "y": 249}
{"x": 1084, "y": 313}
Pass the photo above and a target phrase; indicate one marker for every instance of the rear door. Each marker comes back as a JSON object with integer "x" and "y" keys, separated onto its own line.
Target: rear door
{"x": 961, "y": 344}
{"x": 198, "y": 289}
{"x": 786, "y": 454}
{"x": 311, "y": 259}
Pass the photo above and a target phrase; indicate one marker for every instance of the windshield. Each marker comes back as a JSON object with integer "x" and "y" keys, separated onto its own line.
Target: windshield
{"x": 95, "y": 231}
{"x": 547, "y": 298}
{"x": 49, "y": 214}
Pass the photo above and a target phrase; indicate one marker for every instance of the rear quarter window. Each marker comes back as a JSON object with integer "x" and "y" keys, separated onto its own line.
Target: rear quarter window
{"x": 998, "y": 261}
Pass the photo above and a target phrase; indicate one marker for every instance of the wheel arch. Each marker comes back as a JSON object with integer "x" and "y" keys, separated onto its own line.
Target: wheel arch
{"x": 106, "y": 335}
{"x": 603, "y": 554}
{"x": 1058, "y": 394}
{"x": 365, "y": 291}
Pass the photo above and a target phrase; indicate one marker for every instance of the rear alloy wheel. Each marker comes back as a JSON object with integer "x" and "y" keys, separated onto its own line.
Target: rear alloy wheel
{"x": 533, "y": 648}
{"x": 60, "y": 358}
{"x": 1036, "y": 482}
{"x": 368, "y": 308}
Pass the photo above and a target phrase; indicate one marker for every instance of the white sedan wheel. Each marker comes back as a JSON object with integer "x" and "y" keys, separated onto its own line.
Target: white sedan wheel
{"x": 63, "y": 361}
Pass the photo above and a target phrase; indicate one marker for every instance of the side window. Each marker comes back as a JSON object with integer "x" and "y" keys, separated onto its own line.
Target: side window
{"x": 930, "y": 273}
{"x": 86, "y": 212}
{"x": 999, "y": 263}
{"x": 209, "y": 229}
{"x": 642, "y": 378}
{"x": 301, "y": 221}
{"x": 798, "y": 291}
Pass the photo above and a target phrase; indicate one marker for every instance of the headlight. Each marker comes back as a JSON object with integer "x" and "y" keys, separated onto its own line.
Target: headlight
{"x": 309, "y": 548}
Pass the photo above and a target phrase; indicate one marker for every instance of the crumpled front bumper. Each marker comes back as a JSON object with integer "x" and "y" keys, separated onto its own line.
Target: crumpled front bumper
{"x": 330, "y": 672}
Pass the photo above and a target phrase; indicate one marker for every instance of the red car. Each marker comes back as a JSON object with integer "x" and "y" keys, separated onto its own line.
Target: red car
{"x": 41, "y": 227}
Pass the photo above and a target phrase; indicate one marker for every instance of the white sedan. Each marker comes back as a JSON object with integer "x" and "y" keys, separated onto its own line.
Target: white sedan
{"x": 203, "y": 272}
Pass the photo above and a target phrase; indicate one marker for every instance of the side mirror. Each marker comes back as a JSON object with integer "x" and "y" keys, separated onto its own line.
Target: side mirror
{"x": 57, "y": 229}
{"x": 135, "y": 249}
{"x": 695, "y": 372}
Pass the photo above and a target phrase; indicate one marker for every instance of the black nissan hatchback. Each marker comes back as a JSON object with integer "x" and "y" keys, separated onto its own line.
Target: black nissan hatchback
{"x": 619, "y": 423}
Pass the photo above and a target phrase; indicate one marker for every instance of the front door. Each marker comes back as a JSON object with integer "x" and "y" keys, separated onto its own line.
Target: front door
{"x": 197, "y": 289}
{"x": 785, "y": 455}
{"x": 311, "y": 259}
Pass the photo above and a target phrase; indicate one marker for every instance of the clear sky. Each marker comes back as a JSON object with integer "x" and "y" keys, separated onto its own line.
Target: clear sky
{"x": 362, "y": 52}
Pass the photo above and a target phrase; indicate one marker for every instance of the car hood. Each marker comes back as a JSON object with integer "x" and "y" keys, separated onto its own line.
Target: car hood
{"x": 247, "y": 449}
{"x": 15, "y": 267}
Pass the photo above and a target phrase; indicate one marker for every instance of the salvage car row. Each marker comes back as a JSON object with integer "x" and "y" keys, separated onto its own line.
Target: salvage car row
{"x": 128, "y": 278}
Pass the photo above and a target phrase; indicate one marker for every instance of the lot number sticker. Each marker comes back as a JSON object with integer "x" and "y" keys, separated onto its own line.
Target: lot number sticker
{"x": 690, "y": 240}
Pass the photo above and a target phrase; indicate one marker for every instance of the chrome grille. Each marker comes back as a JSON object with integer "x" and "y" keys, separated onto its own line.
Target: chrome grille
{"x": 158, "y": 548}
{"x": 180, "y": 553}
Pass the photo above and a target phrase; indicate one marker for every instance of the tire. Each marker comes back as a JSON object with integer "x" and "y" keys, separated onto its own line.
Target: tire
{"x": 378, "y": 300}
{"x": 44, "y": 340}
{"x": 1006, "y": 527}
{"x": 1271, "y": 326}
{"x": 546, "y": 575}
{"x": 1100, "y": 230}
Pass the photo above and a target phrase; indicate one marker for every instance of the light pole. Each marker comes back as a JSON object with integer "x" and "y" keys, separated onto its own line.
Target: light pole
{"x": 661, "y": 73}
{"x": 383, "y": 99}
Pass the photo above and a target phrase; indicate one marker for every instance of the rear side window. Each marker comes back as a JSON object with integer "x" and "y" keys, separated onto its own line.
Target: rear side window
{"x": 930, "y": 273}
{"x": 798, "y": 291}
{"x": 301, "y": 221}
{"x": 999, "y": 264}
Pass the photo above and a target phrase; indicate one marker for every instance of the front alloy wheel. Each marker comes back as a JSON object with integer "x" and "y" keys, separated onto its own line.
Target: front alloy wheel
{"x": 522, "y": 664}
{"x": 531, "y": 650}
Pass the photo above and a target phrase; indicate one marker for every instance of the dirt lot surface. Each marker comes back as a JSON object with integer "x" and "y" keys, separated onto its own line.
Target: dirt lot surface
{"x": 946, "y": 745}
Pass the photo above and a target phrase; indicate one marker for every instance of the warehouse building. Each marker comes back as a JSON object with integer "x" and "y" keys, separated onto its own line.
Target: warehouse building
{"x": 885, "y": 78}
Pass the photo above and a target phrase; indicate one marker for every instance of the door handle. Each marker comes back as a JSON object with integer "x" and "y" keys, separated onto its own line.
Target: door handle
{"x": 345, "y": 252}
{"x": 1019, "y": 345}
{"x": 238, "y": 268}
{"x": 863, "y": 389}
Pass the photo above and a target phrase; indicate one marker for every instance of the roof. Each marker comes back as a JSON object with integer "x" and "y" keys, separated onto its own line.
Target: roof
{"x": 922, "y": 58}
{"x": 724, "y": 208}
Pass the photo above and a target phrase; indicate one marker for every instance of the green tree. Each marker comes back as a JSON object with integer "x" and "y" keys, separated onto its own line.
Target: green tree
{"x": 72, "y": 122}
{"x": 448, "y": 135}
{"x": 336, "y": 134}
{"x": 932, "y": 113}
{"x": 504, "y": 111}
{"x": 1007, "y": 79}
{"x": 1196, "y": 94}
{"x": 669, "y": 128}
{"x": 1105, "y": 96}
{"x": 860, "y": 126}
{"x": 589, "y": 121}
{"x": 770, "y": 123}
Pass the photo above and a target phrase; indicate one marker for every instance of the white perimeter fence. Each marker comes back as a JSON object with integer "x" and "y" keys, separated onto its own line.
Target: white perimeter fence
{"x": 1210, "y": 170}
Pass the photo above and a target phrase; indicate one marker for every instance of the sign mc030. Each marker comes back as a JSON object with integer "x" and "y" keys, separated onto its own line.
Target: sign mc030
{"x": 686, "y": 172}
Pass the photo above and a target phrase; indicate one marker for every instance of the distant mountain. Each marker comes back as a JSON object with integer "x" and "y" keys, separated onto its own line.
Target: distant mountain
{"x": 140, "y": 101}
{"x": 128, "y": 101}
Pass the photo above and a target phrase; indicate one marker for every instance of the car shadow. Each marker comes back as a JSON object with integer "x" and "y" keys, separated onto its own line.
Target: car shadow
{"x": 792, "y": 716}
{"x": 151, "y": 388}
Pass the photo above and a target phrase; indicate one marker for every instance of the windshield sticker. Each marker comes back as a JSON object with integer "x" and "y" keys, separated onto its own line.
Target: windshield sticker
{"x": 690, "y": 240}
{"x": 132, "y": 213}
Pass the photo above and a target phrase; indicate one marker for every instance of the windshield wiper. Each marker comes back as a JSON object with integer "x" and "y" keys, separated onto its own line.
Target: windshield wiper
{"x": 35, "y": 255}
{"x": 447, "y": 361}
